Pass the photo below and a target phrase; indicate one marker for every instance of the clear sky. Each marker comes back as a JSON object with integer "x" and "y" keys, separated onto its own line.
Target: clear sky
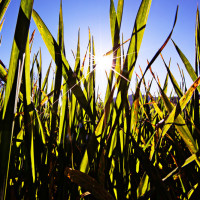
{"x": 95, "y": 14}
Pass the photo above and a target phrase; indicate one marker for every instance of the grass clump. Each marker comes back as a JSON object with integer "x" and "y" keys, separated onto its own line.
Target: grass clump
{"x": 83, "y": 147}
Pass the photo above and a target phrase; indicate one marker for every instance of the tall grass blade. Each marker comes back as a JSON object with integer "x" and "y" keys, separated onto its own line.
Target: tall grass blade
{"x": 197, "y": 37}
{"x": 175, "y": 117}
{"x": 3, "y": 7}
{"x": 133, "y": 49}
{"x": 92, "y": 82}
{"x": 63, "y": 115}
{"x": 115, "y": 26}
{"x": 166, "y": 80}
{"x": 197, "y": 65}
{"x": 58, "y": 81}
{"x": 12, "y": 89}
{"x": 46, "y": 77}
{"x": 77, "y": 60}
{"x": 67, "y": 72}
{"x": 163, "y": 46}
{"x": 137, "y": 35}
{"x": 152, "y": 172}
{"x": 1, "y": 25}
{"x": 3, "y": 73}
{"x": 187, "y": 64}
{"x": 173, "y": 80}
{"x": 96, "y": 139}
{"x": 29, "y": 129}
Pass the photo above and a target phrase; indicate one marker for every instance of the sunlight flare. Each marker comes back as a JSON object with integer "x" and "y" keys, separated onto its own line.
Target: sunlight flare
{"x": 104, "y": 62}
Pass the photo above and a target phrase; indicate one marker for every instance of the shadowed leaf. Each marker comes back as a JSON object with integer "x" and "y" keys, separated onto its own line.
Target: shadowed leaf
{"x": 88, "y": 183}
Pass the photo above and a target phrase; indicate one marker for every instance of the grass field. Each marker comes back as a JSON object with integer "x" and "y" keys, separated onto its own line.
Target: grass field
{"x": 70, "y": 144}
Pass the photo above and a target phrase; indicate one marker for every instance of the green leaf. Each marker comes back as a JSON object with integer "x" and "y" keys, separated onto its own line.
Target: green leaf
{"x": 28, "y": 120}
{"x": 137, "y": 35}
{"x": 133, "y": 50}
{"x": 166, "y": 81}
{"x": 46, "y": 77}
{"x": 1, "y": 25}
{"x": 115, "y": 21}
{"x": 123, "y": 83}
{"x": 189, "y": 194}
{"x": 99, "y": 131}
{"x": 143, "y": 185}
{"x": 189, "y": 160}
{"x": 63, "y": 115}
{"x": 187, "y": 64}
{"x": 41, "y": 131}
{"x": 134, "y": 111}
{"x": 120, "y": 7}
{"x": 115, "y": 25}
{"x": 3, "y": 73}
{"x": 176, "y": 118}
{"x": 197, "y": 38}
{"x": 112, "y": 20}
{"x": 12, "y": 89}
{"x": 173, "y": 80}
{"x": 59, "y": 57}
{"x": 88, "y": 183}
{"x": 151, "y": 171}
{"x": 77, "y": 61}
{"x": 3, "y": 7}
{"x": 3, "y": 76}
{"x": 163, "y": 46}
{"x": 58, "y": 81}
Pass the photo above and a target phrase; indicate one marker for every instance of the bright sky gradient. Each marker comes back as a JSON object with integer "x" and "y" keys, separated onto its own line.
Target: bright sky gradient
{"x": 95, "y": 14}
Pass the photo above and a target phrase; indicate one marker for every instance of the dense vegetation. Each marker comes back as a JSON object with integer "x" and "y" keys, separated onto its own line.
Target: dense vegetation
{"x": 68, "y": 144}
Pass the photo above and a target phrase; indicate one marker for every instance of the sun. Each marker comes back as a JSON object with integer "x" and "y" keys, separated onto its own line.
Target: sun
{"x": 104, "y": 62}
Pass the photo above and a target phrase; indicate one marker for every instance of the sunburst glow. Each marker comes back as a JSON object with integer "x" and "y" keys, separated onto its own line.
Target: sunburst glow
{"x": 104, "y": 62}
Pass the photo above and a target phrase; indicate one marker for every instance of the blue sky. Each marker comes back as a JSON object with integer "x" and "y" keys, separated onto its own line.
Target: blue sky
{"x": 95, "y": 14}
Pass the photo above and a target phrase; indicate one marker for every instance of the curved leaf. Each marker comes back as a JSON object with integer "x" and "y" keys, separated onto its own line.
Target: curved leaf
{"x": 59, "y": 58}
{"x": 175, "y": 117}
{"x": 173, "y": 80}
{"x": 187, "y": 64}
